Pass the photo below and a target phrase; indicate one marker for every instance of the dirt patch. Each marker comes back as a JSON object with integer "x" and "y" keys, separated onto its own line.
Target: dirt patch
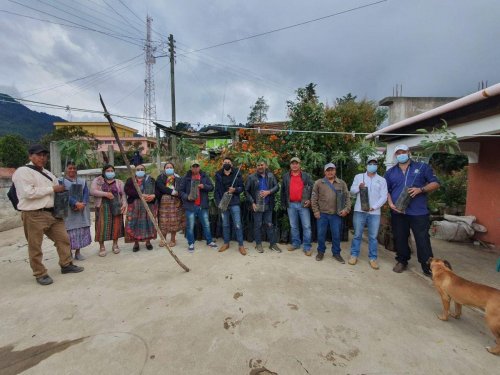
{"x": 14, "y": 362}
{"x": 293, "y": 306}
{"x": 237, "y": 295}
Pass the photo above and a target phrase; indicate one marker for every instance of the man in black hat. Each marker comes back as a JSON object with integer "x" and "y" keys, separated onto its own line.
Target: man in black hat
{"x": 36, "y": 187}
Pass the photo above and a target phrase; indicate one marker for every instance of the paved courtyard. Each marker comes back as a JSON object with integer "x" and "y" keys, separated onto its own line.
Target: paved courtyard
{"x": 140, "y": 313}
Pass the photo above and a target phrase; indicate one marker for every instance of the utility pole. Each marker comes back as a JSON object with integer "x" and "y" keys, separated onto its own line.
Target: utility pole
{"x": 172, "y": 92}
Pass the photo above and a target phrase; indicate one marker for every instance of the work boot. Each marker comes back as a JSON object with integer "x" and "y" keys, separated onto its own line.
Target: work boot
{"x": 71, "y": 268}
{"x": 339, "y": 258}
{"x": 223, "y": 247}
{"x": 242, "y": 250}
{"x": 44, "y": 280}
{"x": 353, "y": 260}
{"x": 275, "y": 247}
{"x": 399, "y": 267}
{"x": 308, "y": 253}
{"x": 259, "y": 248}
{"x": 374, "y": 264}
{"x": 320, "y": 256}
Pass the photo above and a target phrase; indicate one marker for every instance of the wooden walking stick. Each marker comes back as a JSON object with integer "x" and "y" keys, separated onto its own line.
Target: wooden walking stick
{"x": 137, "y": 188}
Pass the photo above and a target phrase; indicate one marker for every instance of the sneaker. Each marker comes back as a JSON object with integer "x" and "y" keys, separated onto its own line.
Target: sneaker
{"x": 259, "y": 248}
{"x": 212, "y": 244}
{"x": 191, "y": 248}
{"x": 308, "y": 253}
{"x": 399, "y": 267}
{"x": 224, "y": 247}
{"x": 275, "y": 247}
{"x": 374, "y": 264}
{"x": 339, "y": 258}
{"x": 71, "y": 268}
{"x": 292, "y": 248}
{"x": 353, "y": 260}
{"x": 427, "y": 272}
{"x": 44, "y": 280}
{"x": 242, "y": 250}
{"x": 320, "y": 256}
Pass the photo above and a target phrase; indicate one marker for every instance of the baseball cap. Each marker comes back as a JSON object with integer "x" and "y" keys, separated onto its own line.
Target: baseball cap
{"x": 330, "y": 165}
{"x": 372, "y": 159}
{"x": 401, "y": 147}
{"x": 36, "y": 149}
{"x": 195, "y": 163}
{"x": 294, "y": 159}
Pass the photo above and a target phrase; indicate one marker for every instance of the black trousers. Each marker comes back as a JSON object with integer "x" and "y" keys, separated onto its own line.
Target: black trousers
{"x": 419, "y": 225}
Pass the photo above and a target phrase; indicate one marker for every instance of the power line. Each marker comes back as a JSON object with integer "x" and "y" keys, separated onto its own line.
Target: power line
{"x": 87, "y": 20}
{"x": 74, "y": 23}
{"x": 119, "y": 14}
{"x": 258, "y": 129}
{"x": 107, "y": 15}
{"x": 93, "y": 17}
{"x": 52, "y": 87}
{"x": 290, "y": 27}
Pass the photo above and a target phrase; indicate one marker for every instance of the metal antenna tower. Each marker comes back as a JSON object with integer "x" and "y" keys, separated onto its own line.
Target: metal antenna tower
{"x": 149, "y": 83}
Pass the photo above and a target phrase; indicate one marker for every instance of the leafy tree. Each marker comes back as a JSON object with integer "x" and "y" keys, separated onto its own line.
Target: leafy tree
{"x": 348, "y": 115}
{"x": 187, "y": 149}
{"x": 258, "y": 113}
{"x": 13, "y": 151}
{"x": 78, "y": 150}
{"x": 69, "y": 132}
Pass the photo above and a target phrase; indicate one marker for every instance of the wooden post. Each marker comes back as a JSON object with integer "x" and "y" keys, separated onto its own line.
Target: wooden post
{"x": 111, "y": 155}
{"x": 137, "y": 188}
{"x": 55, "y": 159}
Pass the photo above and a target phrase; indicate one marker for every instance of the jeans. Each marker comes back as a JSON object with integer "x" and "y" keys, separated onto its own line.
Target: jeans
{"x": 202, "y": 214}
{"x": 335, "y": 223}
{"x": 419, "y": 225}
{"x": 267, "y": 218}
{"x": 372, "y": 222}
{"x": 226, "y": 224}
{"x": 295, "y": 210}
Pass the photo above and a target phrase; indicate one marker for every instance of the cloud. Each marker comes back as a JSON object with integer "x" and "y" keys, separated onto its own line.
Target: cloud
{"x": 432, "y": 48}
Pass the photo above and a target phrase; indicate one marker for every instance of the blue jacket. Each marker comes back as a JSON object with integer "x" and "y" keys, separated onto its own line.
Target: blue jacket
{"x": 219, "y": 188}
{"x": 185, "y": 187}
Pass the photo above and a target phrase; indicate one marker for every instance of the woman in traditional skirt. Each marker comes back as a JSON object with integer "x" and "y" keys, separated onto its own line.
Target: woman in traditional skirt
{"x": 138, "y": 226}
{"x": 78, "y": 220}
{"x": 110, "y": 205}
{"x": 171, "y": 214}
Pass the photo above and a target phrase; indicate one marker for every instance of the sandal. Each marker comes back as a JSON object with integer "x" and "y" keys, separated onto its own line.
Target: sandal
{"x": 102, "y": 251}
{"x": 116, "y": 249}
{"x": 172, "y": 244}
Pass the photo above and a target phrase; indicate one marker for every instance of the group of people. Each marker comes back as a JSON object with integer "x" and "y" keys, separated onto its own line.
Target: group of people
{"x": 176, "y": 201}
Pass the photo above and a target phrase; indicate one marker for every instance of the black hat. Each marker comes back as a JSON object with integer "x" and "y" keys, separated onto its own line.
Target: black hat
{"x": 36, "y": 149}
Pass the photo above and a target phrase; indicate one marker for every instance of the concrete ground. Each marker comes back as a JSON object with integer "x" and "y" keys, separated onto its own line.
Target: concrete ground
{"x": 140, "y": 313}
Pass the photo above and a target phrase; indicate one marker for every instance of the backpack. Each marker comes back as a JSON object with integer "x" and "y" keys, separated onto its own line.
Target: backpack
{"x": 12, "y": 193}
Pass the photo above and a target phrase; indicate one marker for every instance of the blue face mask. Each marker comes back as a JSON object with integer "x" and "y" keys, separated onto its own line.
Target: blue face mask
{"x": 140, "y": 174}
{"x": 371, "y": 168}
{"x": 109, "y": 175}
{"x": 402, "y": 158}
{"x": 169, "y": 171}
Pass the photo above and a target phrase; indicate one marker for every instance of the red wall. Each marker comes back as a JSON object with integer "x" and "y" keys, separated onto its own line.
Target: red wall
{"x": 483, "y": 191}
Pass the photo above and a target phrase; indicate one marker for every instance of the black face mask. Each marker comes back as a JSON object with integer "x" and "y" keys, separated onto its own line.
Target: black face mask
{"x": 227, "y": 167}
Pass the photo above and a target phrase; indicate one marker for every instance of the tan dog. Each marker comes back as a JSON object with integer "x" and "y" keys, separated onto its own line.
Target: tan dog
{"x": 465, "y": 292}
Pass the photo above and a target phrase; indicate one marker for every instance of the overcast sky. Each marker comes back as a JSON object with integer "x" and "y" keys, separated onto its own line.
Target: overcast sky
{"x": 432, "y": 48}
